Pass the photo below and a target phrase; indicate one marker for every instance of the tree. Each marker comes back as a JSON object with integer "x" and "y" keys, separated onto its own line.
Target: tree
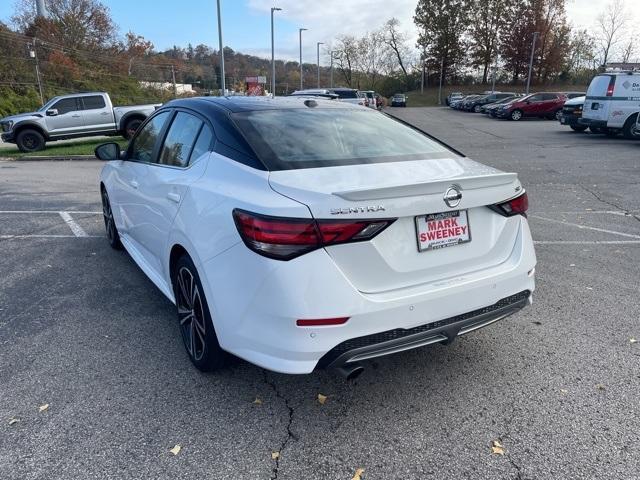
{"x": 396, "y": 41}
{"x": 487, "y": 22}
{"x": 515, "y": 45}
{"x": 441, "y": 28}
{"x": 611, "y": 24}
{"x": 78, "y": 24}
{"x": 346, "y": 53}
{"x": 135, "y": 46}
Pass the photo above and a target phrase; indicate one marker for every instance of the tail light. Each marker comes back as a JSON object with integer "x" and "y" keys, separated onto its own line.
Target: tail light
{"x": 516, "y": 206}
{"x": 611, "y": 87}
{"x": 284, "y": 238}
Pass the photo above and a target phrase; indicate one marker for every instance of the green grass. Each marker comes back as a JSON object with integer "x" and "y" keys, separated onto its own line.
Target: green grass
{"x": 430, "y": 96}
{"x": 55, "y": 149}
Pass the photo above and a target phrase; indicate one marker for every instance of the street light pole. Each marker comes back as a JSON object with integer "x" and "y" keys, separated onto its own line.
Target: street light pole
{"x": 331, "y": 69}
{"x": 318, "y": 48}
{"x": 273, "y": 59}
{"x": 300, "y": 30}
{"x": 441, "y": 78}
{"x": 222, "y": 84}
{"x": 533, "y": 49}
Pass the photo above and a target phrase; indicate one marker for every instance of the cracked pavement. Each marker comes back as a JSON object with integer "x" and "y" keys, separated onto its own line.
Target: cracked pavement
{"x": 82, "y": 329}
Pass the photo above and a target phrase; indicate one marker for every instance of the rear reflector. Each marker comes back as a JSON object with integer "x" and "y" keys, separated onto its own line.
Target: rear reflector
{"x": 516, "y": 206}
{"x": 611, "y": 87}
{"x": 319, "y": 322}
{"x": 284, "y": 238}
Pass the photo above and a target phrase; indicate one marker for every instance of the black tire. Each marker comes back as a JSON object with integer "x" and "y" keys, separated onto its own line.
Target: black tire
{"x": 516, "y": 115}
{"x": 131, "y": 127}
{"x": 557, "y": 115}
{"x": 29, "y": 140}
{"x": 109, "y": 223}
{"x": 596, "y": 130}
{"x": 477, "y": 108}
{"x": 631, "y": 131}
{"x": 611, "y": 132}
{"x": 578, "y": 128}
{"x": 196, "y": 326}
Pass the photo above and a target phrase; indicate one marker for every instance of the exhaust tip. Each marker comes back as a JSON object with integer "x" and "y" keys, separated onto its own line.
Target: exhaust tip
{"x": 350, "y": 371}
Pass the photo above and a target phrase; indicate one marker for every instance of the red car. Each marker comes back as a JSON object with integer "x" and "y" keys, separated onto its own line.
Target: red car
{"x": 544, "y": 105}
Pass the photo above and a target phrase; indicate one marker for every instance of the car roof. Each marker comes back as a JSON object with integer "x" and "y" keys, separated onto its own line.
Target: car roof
{"x": 212, "y": 105}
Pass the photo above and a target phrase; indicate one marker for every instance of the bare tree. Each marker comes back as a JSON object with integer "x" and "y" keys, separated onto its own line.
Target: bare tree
{"x": 396, "y": 40}
{"x": 628, "y": 50}
{"x": 612, "y": 23}
{"x": 345, "y": 53}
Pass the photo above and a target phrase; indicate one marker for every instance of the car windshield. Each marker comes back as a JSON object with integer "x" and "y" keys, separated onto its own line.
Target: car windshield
{"x": 315, "y": 137}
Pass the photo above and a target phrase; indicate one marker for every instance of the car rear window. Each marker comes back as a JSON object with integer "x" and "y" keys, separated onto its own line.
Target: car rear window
{"x": 599, "y": 86}
{"x": 315, "y": 137}
{"x": 346, "y": 93}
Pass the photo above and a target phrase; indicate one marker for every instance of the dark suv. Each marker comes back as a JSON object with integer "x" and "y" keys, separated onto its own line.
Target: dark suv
{"x": 544, "y": 105}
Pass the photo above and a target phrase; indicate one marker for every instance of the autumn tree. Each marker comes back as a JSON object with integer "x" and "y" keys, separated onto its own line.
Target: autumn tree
{"x": 442, "y": 25}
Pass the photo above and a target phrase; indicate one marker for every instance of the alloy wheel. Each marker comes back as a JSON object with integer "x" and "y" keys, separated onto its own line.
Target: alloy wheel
{"x": 516, "y": 115}
{"x": 109, "y": 223}
{"x": 191, "y": 313}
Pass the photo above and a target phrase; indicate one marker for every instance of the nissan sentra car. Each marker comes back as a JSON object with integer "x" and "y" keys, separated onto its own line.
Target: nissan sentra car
{"x": 301, "y": 233}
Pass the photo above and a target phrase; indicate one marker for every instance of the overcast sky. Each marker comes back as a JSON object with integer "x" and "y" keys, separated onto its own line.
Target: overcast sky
{"x": 246, "y": 23}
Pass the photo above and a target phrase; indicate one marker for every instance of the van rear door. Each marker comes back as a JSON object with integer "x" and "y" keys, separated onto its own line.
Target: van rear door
{"x": 599, "y": 95}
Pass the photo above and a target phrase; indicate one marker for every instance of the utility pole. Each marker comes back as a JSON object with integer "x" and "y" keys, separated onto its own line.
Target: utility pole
{"x": 533, "y": 49}
{"x": 173, "y": 79}
{"x": 33, "y": 53}
{"x": 273, "y": 58}
{"x": 441, "y": 78}
{"x": 318, "y": 48}
{"x": 331, "y": 70}
{"x": 300, "y": 30}
{"x": 222, "y": 84}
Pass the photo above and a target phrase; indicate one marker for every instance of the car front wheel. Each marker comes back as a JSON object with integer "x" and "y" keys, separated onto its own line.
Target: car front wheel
{"x": 196, "y": 325}
{"x": 477, "y": 108}
{"x": 109, "y": 223}
{"x": 631, "y": 130}
{"x": 516, "y": 115}
{"x": 30, "y": 140}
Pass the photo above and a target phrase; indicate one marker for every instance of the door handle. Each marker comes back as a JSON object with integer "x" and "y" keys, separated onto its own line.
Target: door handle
{"x": 75, "y": 116}
{"x": 134, "y": 184}
{"x": 174, "y": 197}
{"x": 104, "y": 113}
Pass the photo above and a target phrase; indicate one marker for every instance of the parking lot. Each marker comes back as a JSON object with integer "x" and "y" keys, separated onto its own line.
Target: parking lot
{"x": 83, "y": 331}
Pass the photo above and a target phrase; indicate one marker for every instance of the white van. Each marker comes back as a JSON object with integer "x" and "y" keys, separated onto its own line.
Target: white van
{"x": 613, "y": 103}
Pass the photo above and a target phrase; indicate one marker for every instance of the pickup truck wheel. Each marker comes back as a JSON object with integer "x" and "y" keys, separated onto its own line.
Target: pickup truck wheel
{"x": 30, "y": 140}
{"x": 131, "y": 128}
{"x": 631, "y": 130}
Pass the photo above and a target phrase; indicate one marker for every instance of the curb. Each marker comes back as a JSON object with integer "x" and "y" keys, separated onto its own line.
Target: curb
{"x": 55, "y": 158}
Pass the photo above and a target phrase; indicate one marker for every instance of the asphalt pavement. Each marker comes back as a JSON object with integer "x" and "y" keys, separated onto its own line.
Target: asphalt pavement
{"x": 95, "y": 384}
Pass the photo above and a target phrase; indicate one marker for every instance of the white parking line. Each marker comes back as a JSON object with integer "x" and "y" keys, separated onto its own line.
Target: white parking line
{"x": 77, "y": 230}
{"x": 584, "y": 227}
{"x": 86, "y": 212}
{"x": 581, "y": 212}
{"x": 7, "y": 237}
{"x": 587, "y": 242}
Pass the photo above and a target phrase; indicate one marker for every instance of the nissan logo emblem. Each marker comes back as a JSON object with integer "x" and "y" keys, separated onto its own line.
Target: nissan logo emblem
{"x": 452, "y": 196}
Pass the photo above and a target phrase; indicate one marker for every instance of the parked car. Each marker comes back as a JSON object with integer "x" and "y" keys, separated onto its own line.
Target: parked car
{"x": 342, "y": 94}
{"x": 72, "y": 116}
{"x": 453, "y": 96}
{"x": 543, "y": 105}
{"x": 399, "y": 100}
{"x": 572, "y": 113}
{"x": 370, "y": 98}
{"x": 348, "y": 95}
{"x": 459, "y": 104}
{"x": 315, "y": 92}
{"x": 612, "y": 104}
{"x": 572, "y": 95}
{"x": 489, "y": 108}
{"x": 300, "y": 236}
{"x": 475, "y": 105}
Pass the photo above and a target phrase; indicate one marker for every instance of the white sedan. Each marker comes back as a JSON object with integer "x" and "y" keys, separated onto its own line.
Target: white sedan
{"x": 304, "y": 233}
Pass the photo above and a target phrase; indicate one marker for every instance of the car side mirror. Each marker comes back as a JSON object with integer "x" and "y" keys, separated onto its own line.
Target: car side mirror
{"x": 52, "y": 112}
{"x": 108, "y": 151}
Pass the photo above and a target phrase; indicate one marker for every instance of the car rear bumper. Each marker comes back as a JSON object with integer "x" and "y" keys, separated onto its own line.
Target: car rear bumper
{"x": 255, "y": 303}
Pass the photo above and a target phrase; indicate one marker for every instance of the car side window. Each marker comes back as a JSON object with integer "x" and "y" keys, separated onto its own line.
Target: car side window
{"x": 535, "y": 98}
{"x": 549, "y": 96}
{"x": 65, "y": 105}
{"x": 94, "y": 102}
{"x": 144, "y": 143}
{"x": 180, "y": 140}
{"x": 202, "y": 145}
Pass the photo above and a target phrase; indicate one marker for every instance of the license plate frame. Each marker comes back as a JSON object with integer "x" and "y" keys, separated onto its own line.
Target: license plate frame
{"x": 440, "y": 243}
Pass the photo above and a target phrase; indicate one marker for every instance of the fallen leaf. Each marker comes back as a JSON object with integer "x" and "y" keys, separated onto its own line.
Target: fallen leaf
{"x": 176, "y": 450}
{"x": 14, "y": 420}
{"x": 44, "y": 407}
{"x": 358, "y": 474}
{"x": 275, "y": 455}
{"x": 600, "y": 386}
{"x": 563, "y": 390}
{"x": 632, "y": 340}
{"x": 589, "y": 288}
{"x": 258, "y": 401}
{"x": 497, "y": 448}
{"x": 572, "y": 264}
{"x": 322, "y": 398}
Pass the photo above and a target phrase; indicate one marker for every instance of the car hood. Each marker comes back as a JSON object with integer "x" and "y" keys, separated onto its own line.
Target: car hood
{"x": 22, "y": 116}
{"x": 575, "y": 101}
